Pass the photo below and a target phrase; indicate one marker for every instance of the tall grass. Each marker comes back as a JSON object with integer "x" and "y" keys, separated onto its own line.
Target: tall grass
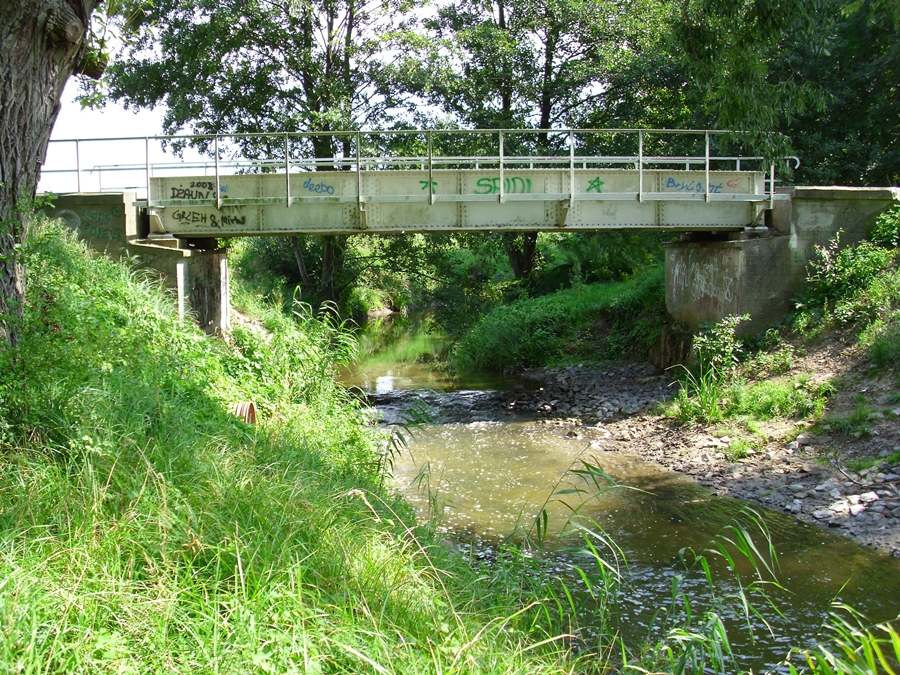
{"x": 146, "y": 529}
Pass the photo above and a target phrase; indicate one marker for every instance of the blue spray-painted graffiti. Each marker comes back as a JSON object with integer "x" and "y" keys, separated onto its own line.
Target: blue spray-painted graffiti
{"x": 692, "y": 186}
{"x": 318, "y": 188}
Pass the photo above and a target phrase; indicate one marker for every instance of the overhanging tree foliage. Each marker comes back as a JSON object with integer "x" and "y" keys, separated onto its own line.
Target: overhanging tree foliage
{"x": 42, "y": 42}
{"x": 732, "y": 50}
{"x": 249, "y": 66}
{"x": 855, "y": 139}
{"x": 533, "y": 64}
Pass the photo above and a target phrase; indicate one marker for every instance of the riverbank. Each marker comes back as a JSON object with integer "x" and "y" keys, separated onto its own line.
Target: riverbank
{"x": 816, "y": 473}
{"x": 147, "y": 528}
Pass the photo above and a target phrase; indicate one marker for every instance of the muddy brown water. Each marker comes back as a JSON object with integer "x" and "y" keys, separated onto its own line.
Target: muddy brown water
{"x": 487, "y": 479}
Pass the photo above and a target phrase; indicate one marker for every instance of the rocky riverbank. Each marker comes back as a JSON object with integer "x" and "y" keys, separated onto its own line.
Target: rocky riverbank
{"x": 616, "y": 410}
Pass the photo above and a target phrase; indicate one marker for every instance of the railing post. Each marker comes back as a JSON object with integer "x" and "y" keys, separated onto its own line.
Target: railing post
{"x": 287, "y": 170}
{"x": 363, "y": 221}
{"x": 571, "y": 169}
{"x": 640, "y": 166}
{"x": 147, "y": 166}
{"x": 218, "y": 188}
{"x": 772, "y": 186}
{"x": 706, "y": 196}
{"x": 77, "y": 167}
{"x": 430, "y": 170}
{"x": 502, "y": 193}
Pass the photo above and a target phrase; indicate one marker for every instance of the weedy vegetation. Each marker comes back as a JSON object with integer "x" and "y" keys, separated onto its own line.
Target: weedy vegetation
{"x": 607, "y": 321}
{"x": 147, "y": 529}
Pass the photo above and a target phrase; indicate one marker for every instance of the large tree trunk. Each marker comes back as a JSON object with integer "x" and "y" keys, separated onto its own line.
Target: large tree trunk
{"x": 41, "y": 42}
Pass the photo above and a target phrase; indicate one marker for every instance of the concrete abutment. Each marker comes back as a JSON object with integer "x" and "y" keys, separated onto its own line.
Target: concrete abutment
{"x": 195, "y": 270}
{"x": 709, "y": 278}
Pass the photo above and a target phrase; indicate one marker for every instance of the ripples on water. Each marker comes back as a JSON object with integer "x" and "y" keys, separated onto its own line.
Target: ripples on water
{"x": 494, "y": 477}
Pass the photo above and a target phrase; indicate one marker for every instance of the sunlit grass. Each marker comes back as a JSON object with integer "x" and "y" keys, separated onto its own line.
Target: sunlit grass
{"x": 145, "y": 529}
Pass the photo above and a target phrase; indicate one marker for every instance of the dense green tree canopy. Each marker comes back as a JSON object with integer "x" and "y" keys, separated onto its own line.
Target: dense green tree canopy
{"x": 243, "y": 66}
{"x": 855, "y": 139}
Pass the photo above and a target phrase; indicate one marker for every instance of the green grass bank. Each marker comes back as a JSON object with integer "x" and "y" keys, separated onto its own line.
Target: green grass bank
{"x": 592, "y": 322}
{"x": 144, "y": 528}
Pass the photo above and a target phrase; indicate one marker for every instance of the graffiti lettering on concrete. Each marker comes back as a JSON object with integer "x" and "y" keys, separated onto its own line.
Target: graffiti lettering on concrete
{"x": 90, "y": 223}
{"x": 734, "y": 183}
{"x": 318, "y": 188}
{"x": 513, "y": 185}
{"x": 211, "y": 219}
{"x": 691, "y": 186}
{"x": 424, "y": 184}
{"x": 190, "y": 193}
{"x": 197, "y": 189}
{"x": 227, "y": 221}
{"x": 193, "y": 217}
{"x": 595, "y": 185}
{"x": 697, "y": 280}
{"x": 93, "y": 216}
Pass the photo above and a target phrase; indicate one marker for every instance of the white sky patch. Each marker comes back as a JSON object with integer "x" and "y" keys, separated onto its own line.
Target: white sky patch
{"x": 102, "y": 163}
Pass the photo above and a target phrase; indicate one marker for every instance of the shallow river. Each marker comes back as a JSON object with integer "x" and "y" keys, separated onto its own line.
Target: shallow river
{"x": 489, "y": 479}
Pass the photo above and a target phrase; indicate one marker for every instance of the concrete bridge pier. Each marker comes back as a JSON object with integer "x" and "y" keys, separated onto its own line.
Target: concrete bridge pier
{"x": 759, "y": 272}
{"x": 196, "y": 270}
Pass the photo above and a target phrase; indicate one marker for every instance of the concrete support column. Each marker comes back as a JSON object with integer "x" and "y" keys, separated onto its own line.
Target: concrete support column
{"x": 199, "y": 278}
{"x": 196, "y": 270}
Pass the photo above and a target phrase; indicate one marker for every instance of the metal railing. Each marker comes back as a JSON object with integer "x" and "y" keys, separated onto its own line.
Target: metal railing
{"x": 646, "y": 144}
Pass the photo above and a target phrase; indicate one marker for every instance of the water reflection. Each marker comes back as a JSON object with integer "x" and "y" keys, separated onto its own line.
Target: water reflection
{"x": 398, "y": 353}
{"x": 492, "y": 478}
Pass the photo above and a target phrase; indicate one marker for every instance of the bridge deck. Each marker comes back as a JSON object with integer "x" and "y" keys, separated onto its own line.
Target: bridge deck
{"x": 456, "y": 200}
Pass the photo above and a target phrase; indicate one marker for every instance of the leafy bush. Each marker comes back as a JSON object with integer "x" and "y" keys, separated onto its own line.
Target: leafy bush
{"x": 886, "y": 230}
{"x": 715, "y": 389}
{"x": 851, "y": 285}
{"x": 840, "y": 278}
{"x": 601, "y": 321}
{"x": 715, "y": 353}
{"x": 881, "y": 340}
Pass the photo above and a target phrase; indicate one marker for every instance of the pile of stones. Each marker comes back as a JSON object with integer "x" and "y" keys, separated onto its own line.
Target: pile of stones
{"x": 591, "y": 395}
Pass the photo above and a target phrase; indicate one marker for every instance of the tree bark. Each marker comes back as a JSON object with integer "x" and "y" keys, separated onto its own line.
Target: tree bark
{"x": 301, "y": 262}
{"x": 521, "y": 253}
{"x": 332, "y": 266}
{"x": 40, "y": 43}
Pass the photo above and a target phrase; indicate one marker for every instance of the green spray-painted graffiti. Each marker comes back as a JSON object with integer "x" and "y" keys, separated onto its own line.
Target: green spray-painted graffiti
{"x": 595, "y": 185}
{"x": 511, "y": 186}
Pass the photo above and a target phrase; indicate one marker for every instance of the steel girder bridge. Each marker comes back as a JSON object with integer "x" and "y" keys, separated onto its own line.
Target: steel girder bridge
{"x": 392, "y": 182}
